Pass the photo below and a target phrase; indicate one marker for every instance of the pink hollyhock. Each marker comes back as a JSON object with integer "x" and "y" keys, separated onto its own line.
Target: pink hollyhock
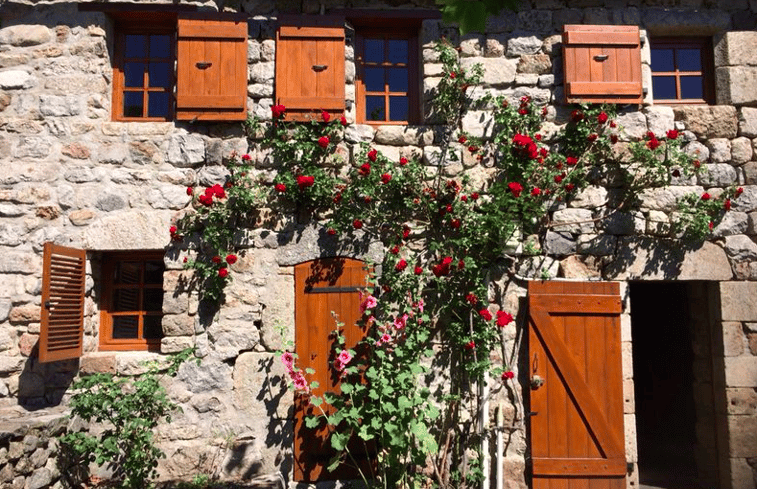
{"x": 342, "y": 360}
{"x": 288, "y": 360}
{"x": 299, "y": 381}
{"x": 278, "y": 111}
{"x": 401, "y": 321}
{"x": 515, "y": 188}
{"x": 386, "y": 178}
{"x": 503, "y": 318}
{"x": 323, "y": 141}
{"x": 357, "y": 224}
{"x": 484, "y": 313}
{"x": 368, "y": 303}
{"x": 325, "y": 116}
{"x": 280, "y": 187}
{"x": 372, "y": 155}
{"x": 602, "y": 117}
{"x": 223, "y": 272}
{"x": 231, "y": 259}
{"x": 305, "y": 181}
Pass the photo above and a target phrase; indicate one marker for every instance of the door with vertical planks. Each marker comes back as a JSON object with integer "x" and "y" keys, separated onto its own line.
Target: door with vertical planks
{"x": 327, "y": 290}
{"x": 576, "y": 421}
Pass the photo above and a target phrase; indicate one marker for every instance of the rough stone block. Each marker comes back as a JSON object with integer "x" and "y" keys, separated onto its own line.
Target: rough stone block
{"x": 498, "y": 72}
{"x": 629, "y": 423}
{"x": 738, "y": 301}
{"x": 98, "y": 363}
{"x": 741, "y": 372}
{"x": 714, "y": 121}
{"x": 741, "y": 150}
{"x": 733, "y": 338}
{"x": 660, "y": 119}
{"x": 736, "y": 48}
{"x": 742, "y": 401}
{"x": 748, "y": 122}
{"x": 735, "y": 85}
{"x": 629, "y": 404}
{"x": 743, "y": 436}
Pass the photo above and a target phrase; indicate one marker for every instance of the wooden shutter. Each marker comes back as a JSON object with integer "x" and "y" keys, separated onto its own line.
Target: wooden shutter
{"x": 602, "y": 64}
{"x": 211, "y": 70}
{"x": 63, "y": 279}
{"x": 310, "y": 66}
{"x": 577, "y": 435}
{"x": 323, "y": 287}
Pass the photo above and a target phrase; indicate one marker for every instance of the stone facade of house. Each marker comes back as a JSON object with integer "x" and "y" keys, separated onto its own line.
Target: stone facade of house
{"x": 71, "y": 175}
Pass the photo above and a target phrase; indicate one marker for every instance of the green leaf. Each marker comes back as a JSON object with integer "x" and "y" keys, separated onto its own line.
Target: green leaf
{"x": 314, "y": 385}
{"x": 339, "y": 440}
{"x": 316, "y": 401}
{"x": 347, "y": 388}
{"x": 309, "y": 371}
{"x": 312, "y": 421}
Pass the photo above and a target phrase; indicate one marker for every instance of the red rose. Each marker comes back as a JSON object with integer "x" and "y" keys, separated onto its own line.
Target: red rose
{"x": 403, "y": 161}
{"x": 418, "y": 270}
{"x": 576, "y": 116}
{"x": 367, "y": 199}
{"x": 205, "y": 200}
{"x": 246, "y": 157}
{"x": 537, "y": 137}
{"x": 400, "y": 266}
{"x": 711, "y": 225}
{"x": 507, "y": 375}
{"x": 705, "y": 196}
{"x": 186, "y": 259}
{"x": 503, "y": 318}
{"x": 613, "y": 138}
{"x": 602, "y": 117}
{"x": 323, "y": 141}
{"x": 739, "y": 191}
{"x": 278, "y": 111}
{"x": 515, "y": 188}
{"x": 386, "y": 178}
{"x": 405, "y": 232}
{"x": 190, "y": 190}
{"x": 338, "y": 198}
{"x": 462, "y": 140}
{"x": 365, "y": 169}
{"x": 592, "y": 137}
{"x": 305, "y": 181}
{"x": 672, "y": 134}
{"x": 357, "y": 224}
{"x": 474, "y": 196}
{"x": 653, "y": 144}
{"x": 613, "y": 124}
{"x": 536, "y": 191}
{"x": 727, "y": 204}
{"x": 223, "y": 272}
{"x": 455, "y": 223}
{"x": 471, "y": 298}
{"x": 172, "y": 229}
{"x": 472, "y": 149}
{"x": 343, "y": 121}
{"x": 331, "y": 232}
{"x": 231, "y": 259}
{"x": 523, "y": 111}
{"x": 569, "y": 187}
{"x": 372, "y": 155}
{"x": 325, "y": 116}
{"x": 464, "y": 198}
{"x": 484, "y": 313}
{"x": 395, "y": 249}
{"x": 216, "y": 259}
{"x": 460, "y": 264}
{"x": 471, "y": 345}
{"x": 558, "y": 178}
{"x": 280, "y": 187}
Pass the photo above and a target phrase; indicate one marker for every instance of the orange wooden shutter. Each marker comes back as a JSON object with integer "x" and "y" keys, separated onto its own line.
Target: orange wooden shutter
{"x": 322, "y": 287}
{"x": 577, "y": 435}
{"x": 211, "y": 70}
{"x": 602, "y": 64}
{"x": 63, "y": 280}
{"x": 310, "y": 66}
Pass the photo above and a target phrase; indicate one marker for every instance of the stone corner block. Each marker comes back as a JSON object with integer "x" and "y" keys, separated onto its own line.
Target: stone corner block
{"x": 738, "y": 301}
{"x": 735, "y": 85}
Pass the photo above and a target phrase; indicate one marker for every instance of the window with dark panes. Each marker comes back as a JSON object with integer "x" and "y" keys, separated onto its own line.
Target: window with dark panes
{"x": 143, "y": 78}
{"x": 132, "y": 305}
{"x": 387, "y": 90}
{"x": 682, "y": 70}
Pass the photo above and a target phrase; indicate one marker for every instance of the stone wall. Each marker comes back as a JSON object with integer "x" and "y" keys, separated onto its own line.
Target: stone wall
{"x": 73, "y": 176}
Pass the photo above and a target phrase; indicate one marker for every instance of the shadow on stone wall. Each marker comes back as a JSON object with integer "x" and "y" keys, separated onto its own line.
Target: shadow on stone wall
{"x": 42, "y": 385}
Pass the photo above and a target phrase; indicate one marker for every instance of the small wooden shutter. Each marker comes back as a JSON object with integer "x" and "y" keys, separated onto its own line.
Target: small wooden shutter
{"x": 577, "y": 414}
{"x": 310, "y": 66}
{"x": 602, "y": 64}
{"x": 211, "y": 72}
{"x": 323, "y": 287}
{"x": 63, "y": 280}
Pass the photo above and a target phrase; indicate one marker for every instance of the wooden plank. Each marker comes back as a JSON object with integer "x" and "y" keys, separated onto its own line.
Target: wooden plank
{"x": 578, "y": 303}
{"x": 578, "y": 466}
{"x": 603, "y": 88}
{"x": 289, "y": 32}
{"x": 210, "y": 101}
{"x": 312, "y": 103}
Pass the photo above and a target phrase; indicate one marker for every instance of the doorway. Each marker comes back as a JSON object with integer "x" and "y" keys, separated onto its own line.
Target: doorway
{"x": 672, "y": 333}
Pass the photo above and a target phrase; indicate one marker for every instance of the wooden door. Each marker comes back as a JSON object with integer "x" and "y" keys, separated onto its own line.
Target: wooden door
{"x": 326, "y": 290}
{"x": 576, "y": 421}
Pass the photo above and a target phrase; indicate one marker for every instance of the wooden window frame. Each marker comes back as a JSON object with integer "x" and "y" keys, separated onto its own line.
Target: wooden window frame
{"x": 139, "y": 24}
{"x": 704, "y": 44}
{"x": 407, "y": 31}
{"x": 108, "y": 264}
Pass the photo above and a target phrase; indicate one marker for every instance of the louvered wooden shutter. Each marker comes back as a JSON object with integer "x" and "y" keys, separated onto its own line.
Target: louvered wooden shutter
{"x": 63, "y": 280}
{"x": 602, "y": 64}
{"x": 577, "y": 435}
{"x": 322, "y": 287}
{"x": 211, "y": 73}
{"x": 310, "y": 66}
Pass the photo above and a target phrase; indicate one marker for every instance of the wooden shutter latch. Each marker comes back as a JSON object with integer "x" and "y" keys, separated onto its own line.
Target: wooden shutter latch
{"x": 203, "y": 65}
{"x": 319, "y": 68}
{"x": 601, "y": 57}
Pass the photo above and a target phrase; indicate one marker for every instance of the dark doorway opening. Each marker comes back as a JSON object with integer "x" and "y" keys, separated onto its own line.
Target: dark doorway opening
{"x": 672, "y": 369}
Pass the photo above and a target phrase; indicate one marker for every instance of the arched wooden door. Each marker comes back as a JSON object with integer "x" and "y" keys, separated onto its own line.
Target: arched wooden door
{"x": 326, "y": 290}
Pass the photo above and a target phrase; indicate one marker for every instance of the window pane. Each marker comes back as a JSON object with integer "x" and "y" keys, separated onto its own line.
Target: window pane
{"x": 127, "y": 272}
{"x": 398, "y": 108}
{"x": 662, "y": 60}
{"x": 663, "y": 87}
{"x": 135, "y": 46}
{"x": 153, "y": 300}
{"x": 125, "y": 327}
{"x": 374, "y": 51}
{"x": 397, "y": 79}
{"x": 157, "y": 104}
{"x": 152, "y": 328}
{"x": 398, "y": 51}
{"x": 160, "y": 46}
{"x": 374, "y": 79}
{"x": 125, "y": 300}
{"x": 133, "y": 104}
{"x": 689, "y": 59}
{"x": 154, "y": 272}
{"x": 691, "y": 87}
{"x": 160, "y": 75}
{"x": 134, "y": 74}
{"x": 374, "y": 108}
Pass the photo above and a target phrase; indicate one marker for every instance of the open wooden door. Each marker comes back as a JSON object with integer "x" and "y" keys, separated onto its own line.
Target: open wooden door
{"x": 576, "y": 421}
{"x": 323, "y": 287}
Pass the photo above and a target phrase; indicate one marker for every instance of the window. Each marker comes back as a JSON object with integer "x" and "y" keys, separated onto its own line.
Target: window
{"x": 387, "y": 76}
{"x": 682, "y": 70}
{"x": 184, "y": 67}
{"x": 132, "y": 301}
{"x": 602, "y": 64}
